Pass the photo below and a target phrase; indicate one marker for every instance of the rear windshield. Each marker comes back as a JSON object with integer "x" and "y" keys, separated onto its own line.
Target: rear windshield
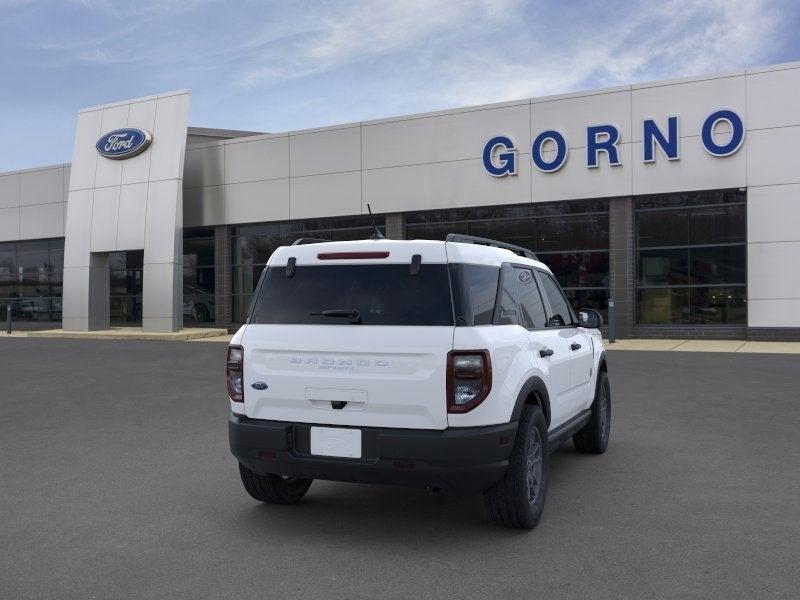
{"x": 381, "y": 295}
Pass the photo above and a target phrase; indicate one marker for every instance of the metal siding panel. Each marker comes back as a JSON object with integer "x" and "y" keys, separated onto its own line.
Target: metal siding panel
{"x": 9, "y": 190}
{"x": 45, "y": 186}
{"x": 257, "y": 201}
{"x": 443, "y": 138}
{"x": 329, "y": 151}
{"x": 169, "y": 138}
{"x": 137, "y": 169}
{"x": 325, "y": 195}
{"x": 105, "y": 214}
{"x": 9, "y": 224}
{"x": 84, "y": 157}
{"x": 204, "y": 166}
{"x": 132, "y": 212}
{"x": 41, "y": 221}
{"x": 443, "y": 185}
{"x": 257, "y": 160}
{"x": 773, "y": 156}
{"x": 773, "y": 99}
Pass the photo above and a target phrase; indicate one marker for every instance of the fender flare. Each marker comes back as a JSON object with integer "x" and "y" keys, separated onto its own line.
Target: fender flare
{"x": 534, "y": 384}
{"x": 602, "y": 362}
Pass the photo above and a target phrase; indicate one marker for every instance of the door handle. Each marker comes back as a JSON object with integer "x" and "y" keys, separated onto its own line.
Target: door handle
{"x": 545, "y": 352}
{"x": 575, "y": 346}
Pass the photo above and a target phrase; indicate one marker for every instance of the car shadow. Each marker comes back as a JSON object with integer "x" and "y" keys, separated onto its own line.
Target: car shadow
{"x": 345, "y": 512}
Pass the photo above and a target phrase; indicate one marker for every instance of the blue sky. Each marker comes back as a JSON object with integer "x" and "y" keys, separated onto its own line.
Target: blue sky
{"x": 277, "y": 66}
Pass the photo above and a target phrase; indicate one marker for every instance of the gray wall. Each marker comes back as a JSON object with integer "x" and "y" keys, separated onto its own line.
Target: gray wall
{"x": 33, "y": 203}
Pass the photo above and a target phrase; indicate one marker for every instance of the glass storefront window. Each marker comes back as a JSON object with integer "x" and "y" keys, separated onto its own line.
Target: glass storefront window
{"x": 199, "y": 277}
{"x": 252, "y": 245}
{"x": 30, "y": 279}
{"x": 572, "y": 238}
{"x": 691, "y": 259}
{"x": 126, "y": 287}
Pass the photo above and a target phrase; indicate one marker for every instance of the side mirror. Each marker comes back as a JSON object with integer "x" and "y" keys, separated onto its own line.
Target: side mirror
{"x": 590, "y": 318}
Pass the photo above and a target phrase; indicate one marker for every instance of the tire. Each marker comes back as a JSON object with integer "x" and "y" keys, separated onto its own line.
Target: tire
{"x": 512, "y": 502}
{"x": 593, "y": 437}
{"x": 273, "y": 489}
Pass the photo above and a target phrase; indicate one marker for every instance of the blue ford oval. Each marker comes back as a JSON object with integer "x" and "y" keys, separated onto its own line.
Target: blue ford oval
{"x": 123, "y": 143}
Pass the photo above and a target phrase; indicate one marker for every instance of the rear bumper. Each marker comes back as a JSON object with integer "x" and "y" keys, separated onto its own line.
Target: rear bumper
{"x": 463, "y": 459}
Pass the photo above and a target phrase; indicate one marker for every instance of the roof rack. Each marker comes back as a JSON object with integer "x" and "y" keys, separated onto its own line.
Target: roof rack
{"x": 304, "y": 241}
{"x": 471, "y": 239}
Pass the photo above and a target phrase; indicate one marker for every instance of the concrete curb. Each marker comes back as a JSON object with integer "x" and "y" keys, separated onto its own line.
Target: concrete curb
{"x": 737, "y": 346}
{"x": 124, "y": 333}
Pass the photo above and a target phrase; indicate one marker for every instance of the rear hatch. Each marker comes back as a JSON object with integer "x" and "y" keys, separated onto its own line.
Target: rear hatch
{"x": 351, "y": 333}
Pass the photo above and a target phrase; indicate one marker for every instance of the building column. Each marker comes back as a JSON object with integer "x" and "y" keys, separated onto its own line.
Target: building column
{"x": 86, "y": 303}
{"x": 621, "y": 264}
{"x": 222, "y": 276}
{"x": 395, "y": 226}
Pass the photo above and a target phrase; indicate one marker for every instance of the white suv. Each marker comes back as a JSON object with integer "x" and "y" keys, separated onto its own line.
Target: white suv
{"x": 453, "y": 365}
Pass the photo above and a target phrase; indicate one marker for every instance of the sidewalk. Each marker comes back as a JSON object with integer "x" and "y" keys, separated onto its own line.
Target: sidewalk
{"x": 123, "y": 333}
{"x": 222, "y": 336}
{"x": 705, "y": 346}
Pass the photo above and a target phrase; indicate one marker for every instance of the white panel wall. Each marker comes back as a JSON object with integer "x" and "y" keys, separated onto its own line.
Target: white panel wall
{"x": 32, "y": 203}
{"x": 773, "y": 179}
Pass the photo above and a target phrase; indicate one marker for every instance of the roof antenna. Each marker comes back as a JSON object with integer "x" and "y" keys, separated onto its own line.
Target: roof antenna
{"x": 377, "y": 235}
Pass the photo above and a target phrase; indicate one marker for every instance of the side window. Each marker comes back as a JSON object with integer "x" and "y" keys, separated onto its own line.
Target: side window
{"x": 474, "y": 293}
{"x": 530, "y": 301}
{"x": 561, "y": 312}
{"x": 506, "y": 308}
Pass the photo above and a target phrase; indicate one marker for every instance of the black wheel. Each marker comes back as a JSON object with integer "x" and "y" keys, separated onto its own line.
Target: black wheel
{"x": 593, "y": 437}
{"x": 518, "y": 500}
{"x": 274, "y": 489}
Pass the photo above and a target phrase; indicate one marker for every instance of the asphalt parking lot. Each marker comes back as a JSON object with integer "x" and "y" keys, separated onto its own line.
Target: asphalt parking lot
{"x": 116, "y": 482}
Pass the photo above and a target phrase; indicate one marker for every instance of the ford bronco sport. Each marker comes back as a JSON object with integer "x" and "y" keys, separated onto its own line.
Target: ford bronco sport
{"x": 454, "y": 365}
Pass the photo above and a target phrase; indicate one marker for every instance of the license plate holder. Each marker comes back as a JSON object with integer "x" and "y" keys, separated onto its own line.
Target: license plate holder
{"x": 336, "y": 441}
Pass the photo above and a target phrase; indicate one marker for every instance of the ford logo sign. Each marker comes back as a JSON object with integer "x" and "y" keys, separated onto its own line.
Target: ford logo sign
{"x": 123, "y": 143}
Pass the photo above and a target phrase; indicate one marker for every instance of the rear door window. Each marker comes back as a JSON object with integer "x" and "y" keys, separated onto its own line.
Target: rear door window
{"x": 560, "y": 312}
{"x": 382, "y": 295}
{"x": 530, "y": 300}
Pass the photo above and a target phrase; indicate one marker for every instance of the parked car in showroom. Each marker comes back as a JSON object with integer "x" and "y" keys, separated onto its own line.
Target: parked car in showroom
{"x": 198, "y": 303}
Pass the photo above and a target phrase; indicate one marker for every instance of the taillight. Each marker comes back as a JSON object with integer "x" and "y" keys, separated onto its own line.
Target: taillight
{"x": 235, "y": 372}
{"x": 469, "y": 379}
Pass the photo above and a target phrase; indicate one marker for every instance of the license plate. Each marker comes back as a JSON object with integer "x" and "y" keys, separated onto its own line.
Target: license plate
{"x": 335, "y": 441}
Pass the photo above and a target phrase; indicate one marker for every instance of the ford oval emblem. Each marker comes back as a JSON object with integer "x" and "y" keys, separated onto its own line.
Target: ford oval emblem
{"x": 123, "y": 143}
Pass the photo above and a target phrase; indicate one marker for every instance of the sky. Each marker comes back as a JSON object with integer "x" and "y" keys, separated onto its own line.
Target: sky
{"x": 283, "y": 65}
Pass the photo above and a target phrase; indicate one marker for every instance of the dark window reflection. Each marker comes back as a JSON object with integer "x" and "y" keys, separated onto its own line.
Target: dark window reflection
{"x": 31, "y": 279}
{"x": 688, "y": 246}
{"x": 199, "y": 277}
{"x": 572, "y": 238}
{"x": 126, "y": 271}
{"x": 252, "y": 245}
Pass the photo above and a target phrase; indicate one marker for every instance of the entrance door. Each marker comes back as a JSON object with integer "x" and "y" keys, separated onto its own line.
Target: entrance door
{"x": 126, "y": 287}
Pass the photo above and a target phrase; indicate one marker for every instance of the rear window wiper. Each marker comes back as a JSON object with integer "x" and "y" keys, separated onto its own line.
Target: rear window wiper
{"x": 346, "y": 313}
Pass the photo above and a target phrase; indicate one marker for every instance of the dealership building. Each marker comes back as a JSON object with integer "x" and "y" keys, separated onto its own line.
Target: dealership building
{"x": 677, "y": 200}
